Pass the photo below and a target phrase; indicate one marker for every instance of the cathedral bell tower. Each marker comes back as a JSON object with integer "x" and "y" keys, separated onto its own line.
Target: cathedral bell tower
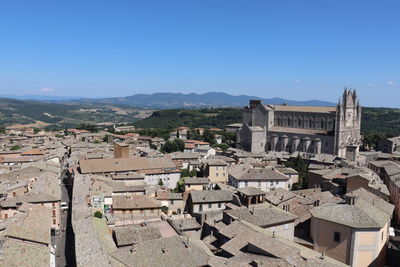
{"x": 348, "y": 125}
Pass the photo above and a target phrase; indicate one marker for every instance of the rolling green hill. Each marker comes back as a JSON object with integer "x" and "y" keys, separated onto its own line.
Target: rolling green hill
{"x": 208, "y": 118}
{"x": 376, "y": 122}
{"x": 16, "y": 111}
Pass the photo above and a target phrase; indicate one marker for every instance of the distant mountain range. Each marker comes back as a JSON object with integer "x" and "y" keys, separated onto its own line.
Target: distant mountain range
{"x": 41, "y": 97}
{"x": 177, "y": 100}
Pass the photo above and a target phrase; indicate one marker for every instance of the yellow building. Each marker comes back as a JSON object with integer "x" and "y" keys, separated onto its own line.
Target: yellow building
{"x": 216, "y": 171}
{"x": 355, "y": 232}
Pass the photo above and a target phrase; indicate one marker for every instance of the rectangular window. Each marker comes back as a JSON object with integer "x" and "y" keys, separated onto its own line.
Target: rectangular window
{"x": 54, "y": 221}
{"x": 141, "y": 211}
{"x": 336, "y": 237}
{"x": 54, "y": 213}
{"x": 53, "y": 204}
{"x": 219, "y": 205}
{"x": 209, "y": 205}
{"x": 172, "y": 202}
{"x": 245, "y": 183}
{"x": 201, "y": 207}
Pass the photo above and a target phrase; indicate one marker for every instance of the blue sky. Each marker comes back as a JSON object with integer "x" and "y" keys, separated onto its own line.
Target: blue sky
{"x": 292, "y": 49}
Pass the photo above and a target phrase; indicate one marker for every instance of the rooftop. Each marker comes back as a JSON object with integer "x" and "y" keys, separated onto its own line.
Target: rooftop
{"x": 206, "y": 196}
{"x": 125, "y": 164}
{"x": 132, "y": 234}
{"x": 135, "y": 202}
{"x": 174, "y": 251}
{"x": 367, "y": 212}
{"x": 262, "y": 215}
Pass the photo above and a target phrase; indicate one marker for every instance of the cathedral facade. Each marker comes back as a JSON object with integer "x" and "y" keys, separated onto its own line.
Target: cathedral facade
{"x": 315, "y": 130}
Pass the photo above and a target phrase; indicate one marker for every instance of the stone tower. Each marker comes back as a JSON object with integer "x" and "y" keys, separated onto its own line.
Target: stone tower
{"x": 348, "y": 126}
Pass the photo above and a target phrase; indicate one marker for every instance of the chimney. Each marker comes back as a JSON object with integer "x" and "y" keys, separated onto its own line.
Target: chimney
{"x": 351, "y": 199}
{"x": 252, "y": 211}
{"x": 121, "y": 150}
{"x": 187, "y": 244}
{"x": 133, "y": 248}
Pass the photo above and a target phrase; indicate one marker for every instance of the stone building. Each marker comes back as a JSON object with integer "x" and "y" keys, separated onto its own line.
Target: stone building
{"x": 328, "y": 130}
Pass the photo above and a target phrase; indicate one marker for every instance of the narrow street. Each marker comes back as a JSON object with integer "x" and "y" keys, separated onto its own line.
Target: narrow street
{"x": 65, "y": 251}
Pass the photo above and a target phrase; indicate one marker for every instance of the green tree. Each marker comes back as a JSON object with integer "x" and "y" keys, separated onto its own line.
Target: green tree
{"x": 194, "y": 135}
{"x": 153, "y": 146}
{"x": 180, "y": 186}
{"x": 224, "y": 147}
{"x": 88, "y": 127}
{"x": 16, "y": 147}
{"x": 229, "y": 137}
{"x": 209, "y": 137}
{"x": 187, "y": 173}
{"x": 106, "y": 138}
{"x": 173, "y": 146}
{"x": 98, "y": 214}
{"x": 302, "y": 168}
{"x": 36, "y": 130}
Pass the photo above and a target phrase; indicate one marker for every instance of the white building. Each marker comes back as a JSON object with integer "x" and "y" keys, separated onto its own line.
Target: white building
{"x": 261, "y": 178}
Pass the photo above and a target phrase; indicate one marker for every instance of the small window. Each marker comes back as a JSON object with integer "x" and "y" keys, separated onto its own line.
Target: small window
{"x": 141, "y": 211}
{"x": 209, "y": 205}
{"x": 245, "y": 183}
{"x": 54, "y": 221}
{"x": 219, "y": 205}
{"x": 172, "y": 202}
{"x": 336, "y": 237}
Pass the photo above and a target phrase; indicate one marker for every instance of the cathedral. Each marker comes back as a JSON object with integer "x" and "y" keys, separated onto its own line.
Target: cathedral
{"x": 310, "y": 129}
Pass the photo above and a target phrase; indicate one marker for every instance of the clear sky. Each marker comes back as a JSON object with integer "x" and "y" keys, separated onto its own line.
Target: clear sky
{"x": 293, "y": 49}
